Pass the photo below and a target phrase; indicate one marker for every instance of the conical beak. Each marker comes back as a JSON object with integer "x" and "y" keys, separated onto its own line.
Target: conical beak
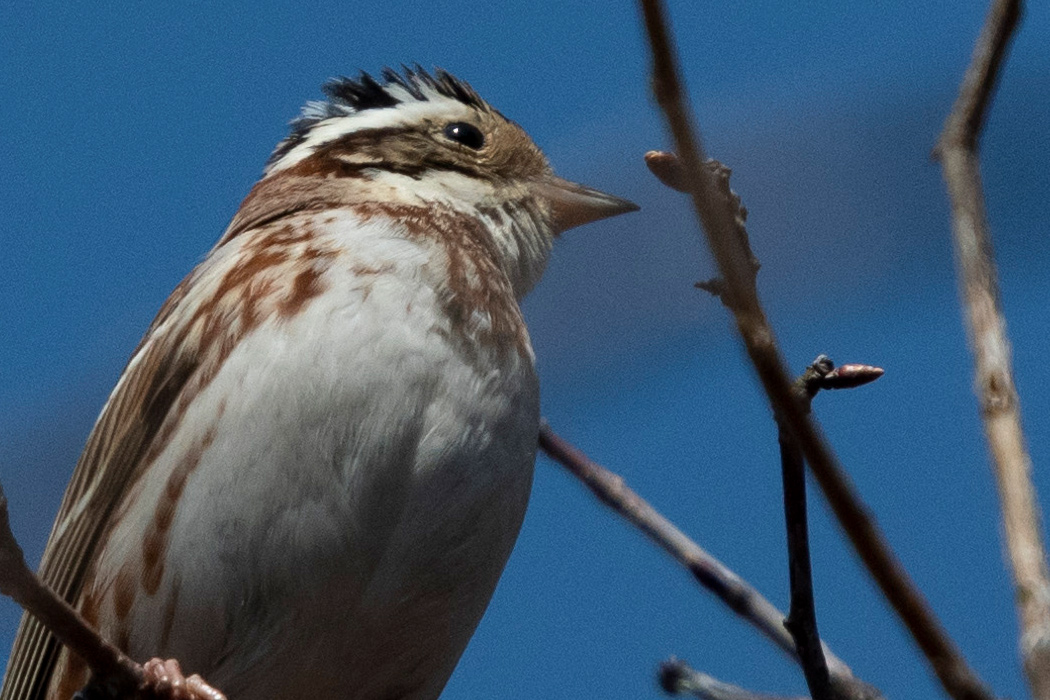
{"x": 574, "y": 205}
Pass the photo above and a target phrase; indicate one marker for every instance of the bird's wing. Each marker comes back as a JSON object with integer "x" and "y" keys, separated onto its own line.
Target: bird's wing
{"x": 114, "y": 455}
{"x": 183, "y": 345}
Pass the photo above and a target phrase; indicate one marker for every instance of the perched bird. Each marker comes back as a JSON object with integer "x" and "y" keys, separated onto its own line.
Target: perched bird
{"x": 310, "y": 475}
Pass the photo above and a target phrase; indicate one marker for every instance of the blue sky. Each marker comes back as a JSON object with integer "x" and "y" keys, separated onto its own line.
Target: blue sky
{"x": 130, "y": 134}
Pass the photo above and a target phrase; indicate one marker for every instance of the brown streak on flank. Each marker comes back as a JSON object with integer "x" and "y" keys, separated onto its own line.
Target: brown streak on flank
{"x": 175, "y": 361}
{"x": 73, "y": 677}
{"x": 169, "y": 611}
{"x": 248, "y": 303}
{"x": 256, "y": 264}
{"x": 236, "y": 298}
{"x": 155, "y": 544}
{"x": 179, "y": 371}
{"x": 71, "y": 671}
{"x": 307, "y": 284}
{"x": 286, "y": 235}
{"x": 365, "y": 273}
{"x": 124, "y": 586}
{"x": 476, "y": 282}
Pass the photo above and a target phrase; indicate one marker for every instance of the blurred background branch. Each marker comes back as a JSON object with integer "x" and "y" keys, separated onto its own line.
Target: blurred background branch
{"x": 716, "y": 577}
{"x": 957, "y": 149}
{"x": 802, "y": 617}
{"x": 721, "y": 222}
{"x": 677, "y": 678}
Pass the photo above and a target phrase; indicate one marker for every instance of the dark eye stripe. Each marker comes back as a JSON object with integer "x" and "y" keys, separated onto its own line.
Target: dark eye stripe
{"x": 385, "y": 149}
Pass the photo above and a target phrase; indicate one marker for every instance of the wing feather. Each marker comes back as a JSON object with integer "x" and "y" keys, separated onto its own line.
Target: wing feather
{"x": 135, "y": 419}
{"x": 110, "y": 463}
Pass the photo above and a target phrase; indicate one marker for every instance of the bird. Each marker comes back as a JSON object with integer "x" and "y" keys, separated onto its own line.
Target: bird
{"x": 312, "y": 471}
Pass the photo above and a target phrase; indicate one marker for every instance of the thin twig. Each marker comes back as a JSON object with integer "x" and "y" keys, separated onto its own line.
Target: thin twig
{"x": 677, "y": 678}
{"x": 802, "y": 618}
{"x": 736, "y": 593}
{"x": 994, "y": 385}
{"x": 741, "y": 297}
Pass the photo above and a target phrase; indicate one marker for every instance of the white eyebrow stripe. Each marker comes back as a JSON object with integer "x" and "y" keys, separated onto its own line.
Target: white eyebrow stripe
{"x": 411, "y": 111}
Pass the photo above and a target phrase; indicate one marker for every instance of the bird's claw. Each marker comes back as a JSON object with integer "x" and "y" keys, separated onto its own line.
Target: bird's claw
{"x": 165, "y": 681}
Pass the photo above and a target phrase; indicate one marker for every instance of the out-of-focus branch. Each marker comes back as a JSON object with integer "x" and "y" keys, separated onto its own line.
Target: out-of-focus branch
{"x": 802, "y": 618}
{"x": 802, "y": 614}
{"x": 1000, "y": 409}
{"x": 613, "y": 491}
{"x": 114, "y": 675}
{"x": 677, "y": 678}
{"x": 720, "y": 224}
{"x": 712, "y": 574}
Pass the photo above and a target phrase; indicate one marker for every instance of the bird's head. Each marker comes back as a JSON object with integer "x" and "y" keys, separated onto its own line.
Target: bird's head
{"x": 417, "y": 139}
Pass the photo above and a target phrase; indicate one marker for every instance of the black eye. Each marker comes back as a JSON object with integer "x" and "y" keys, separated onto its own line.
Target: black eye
{"x": 466, "y": 134}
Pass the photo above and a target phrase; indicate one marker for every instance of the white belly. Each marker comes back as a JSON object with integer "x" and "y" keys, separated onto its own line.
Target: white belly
{"x": 354, "y": 483}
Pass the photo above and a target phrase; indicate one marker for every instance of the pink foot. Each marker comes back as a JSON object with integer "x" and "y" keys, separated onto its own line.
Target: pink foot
{"x": 164, "y": 681}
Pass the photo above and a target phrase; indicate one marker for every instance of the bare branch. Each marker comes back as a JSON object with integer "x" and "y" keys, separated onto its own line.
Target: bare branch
{"x": 741, "y": 297}
{"x": 676, "y": 677}
{"x": 802, "y": 616}
{"x": 670, "y": 171}
{"x": 994, "y": 385}
{"x": 802, "y": 619}
{"x": 712, "y": 574}
{"x": 966, "y": 120}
